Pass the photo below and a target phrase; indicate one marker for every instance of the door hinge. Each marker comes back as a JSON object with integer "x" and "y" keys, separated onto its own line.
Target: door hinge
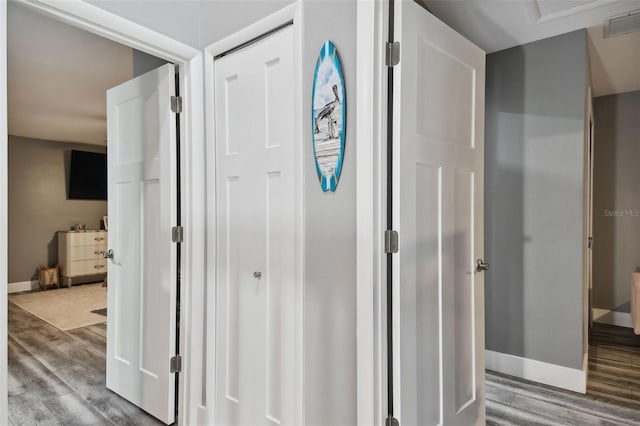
{"x": 175, "y": 364}
{"x": 392, "y": 54}
{"x": 392, "y": 421}
{"x": 590, "y": 242}
{"x": 176, "y": 104}
{"x": 390, "y": 241}
{"x": 177, "y": 234}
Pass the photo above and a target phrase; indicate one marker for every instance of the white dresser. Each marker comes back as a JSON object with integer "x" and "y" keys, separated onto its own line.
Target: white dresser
{"x": 80, "y": 254}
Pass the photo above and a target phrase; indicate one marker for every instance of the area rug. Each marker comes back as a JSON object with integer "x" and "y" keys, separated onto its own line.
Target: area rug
{"x": 66, "y": 308}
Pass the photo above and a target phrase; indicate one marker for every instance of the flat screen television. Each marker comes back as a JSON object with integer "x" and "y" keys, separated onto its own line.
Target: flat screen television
{"x": 87, "y": 176}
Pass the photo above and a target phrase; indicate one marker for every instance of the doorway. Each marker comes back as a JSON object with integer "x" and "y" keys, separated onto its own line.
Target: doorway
{"x": 50, "y": 100}
{"x": 614, "y": 346}
{"x": 92, "y": 20}
{"x": 614, "y": 258}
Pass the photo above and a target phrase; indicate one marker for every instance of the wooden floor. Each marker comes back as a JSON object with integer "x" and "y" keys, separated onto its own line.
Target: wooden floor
{"x": 614, "y": 365}
{"x": 58, "y": 378}
{"x": 613, "y": 388}
{"x": 512, "y": 401}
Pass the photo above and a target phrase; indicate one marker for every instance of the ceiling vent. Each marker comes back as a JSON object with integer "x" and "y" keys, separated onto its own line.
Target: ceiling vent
{"x": 622, "y": 24}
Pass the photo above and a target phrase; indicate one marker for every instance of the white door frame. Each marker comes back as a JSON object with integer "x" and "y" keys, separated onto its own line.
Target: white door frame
{"x": 293, "y": 13}
{"x": 587, "y": 259}
{"x": 371, "y": 139}
{"x": 95, "y": 20}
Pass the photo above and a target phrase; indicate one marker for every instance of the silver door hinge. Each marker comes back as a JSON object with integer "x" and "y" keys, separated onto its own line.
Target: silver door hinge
{"x": 391, "y": 421}
{"x": 392, "y": 54}
{"x": 590, "y": 242}
{"x": 176, "y": 104}
{"x": 177, "y": 234}
{"x": 175, "y": 365}
{"x": 390, "y": 241}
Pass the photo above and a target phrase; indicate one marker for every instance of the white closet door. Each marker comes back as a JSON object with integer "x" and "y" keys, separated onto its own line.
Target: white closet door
{"x": 141, "y": 314}
{"x": 438, "y": 211}
{"x": 255, "y": 213}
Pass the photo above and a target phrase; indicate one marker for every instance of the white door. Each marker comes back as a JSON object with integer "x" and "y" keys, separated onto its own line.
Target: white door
{"x": 141, "y": 308}
{"x": 255, "y": 226}
{"x": 438, "y": 301}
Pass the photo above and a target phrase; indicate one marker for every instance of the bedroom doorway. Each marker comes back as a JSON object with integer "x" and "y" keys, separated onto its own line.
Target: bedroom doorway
{"x": 83, "y": 400}
{"x": 613, "y": 216}
{"x": 58, "y": 180}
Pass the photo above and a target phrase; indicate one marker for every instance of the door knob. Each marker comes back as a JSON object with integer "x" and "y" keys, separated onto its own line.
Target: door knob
{"x": 481, "y": 265}
{"x": 108, "y": 254}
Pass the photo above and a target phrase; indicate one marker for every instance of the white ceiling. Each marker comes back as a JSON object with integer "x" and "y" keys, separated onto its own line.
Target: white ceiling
{"x": 499, "y": 24}
{"x": 57, "y": 78}
{"x": 58, "y": 74}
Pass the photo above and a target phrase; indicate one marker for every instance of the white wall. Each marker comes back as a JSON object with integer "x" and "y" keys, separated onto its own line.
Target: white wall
{"x": 330, "y": 221}
{"x": 178, "y": 19}
{"x": 223, "y": 17}
{"x": 330, "y": 218}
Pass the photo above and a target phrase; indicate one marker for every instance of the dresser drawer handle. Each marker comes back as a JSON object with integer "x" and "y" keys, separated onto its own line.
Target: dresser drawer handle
{"x": 98, "y": 266}
{"x": 99, "y": 252}
{"x": 99, "y": 238}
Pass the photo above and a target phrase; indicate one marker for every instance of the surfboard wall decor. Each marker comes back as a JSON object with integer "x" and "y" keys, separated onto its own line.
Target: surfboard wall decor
{"x": 328, "y": 116}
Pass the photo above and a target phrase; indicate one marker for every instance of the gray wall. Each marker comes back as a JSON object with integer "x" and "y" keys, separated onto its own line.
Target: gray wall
{"x": 616, "y": 210}
{"x": 38, "y": 205}
{"x": 535, "y": 103}
{"x": 330, "y": 247}
{"x": 143, "y": 62}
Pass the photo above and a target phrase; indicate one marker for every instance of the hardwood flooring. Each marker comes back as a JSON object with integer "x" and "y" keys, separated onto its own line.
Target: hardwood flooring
{"x": 613, "y": 388}
{"x": 58, "y": 378}
{"x": 512, "y": 401}
{"x": 614, "y": 365}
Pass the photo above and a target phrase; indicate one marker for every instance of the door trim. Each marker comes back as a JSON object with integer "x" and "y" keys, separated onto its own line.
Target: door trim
{"x": 281, "y": 18}
{"x": 371, "y": 131}
{"x": 98, "y": 21}
{"x": 587, "y": 253}
{"x": 4, "y": 201}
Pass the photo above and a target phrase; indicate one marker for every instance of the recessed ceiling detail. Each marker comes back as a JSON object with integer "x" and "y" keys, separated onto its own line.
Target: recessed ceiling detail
{"x": 495, "y": 25}
{"x": 556, "y": 9}
{"x": 551, "y": 7}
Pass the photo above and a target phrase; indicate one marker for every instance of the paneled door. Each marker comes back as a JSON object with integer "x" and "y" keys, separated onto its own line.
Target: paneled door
{"x": 142, "y": 193}
{"x": 438, "y": 307}
{"x": 255, "y": 233}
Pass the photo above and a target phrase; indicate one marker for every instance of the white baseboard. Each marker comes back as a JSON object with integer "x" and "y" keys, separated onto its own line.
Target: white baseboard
{"x": 22, "y": 286}
{"x": 549, "y": 374}
{"x": 201, "y": 413}
{"x": 605, "y": 316}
